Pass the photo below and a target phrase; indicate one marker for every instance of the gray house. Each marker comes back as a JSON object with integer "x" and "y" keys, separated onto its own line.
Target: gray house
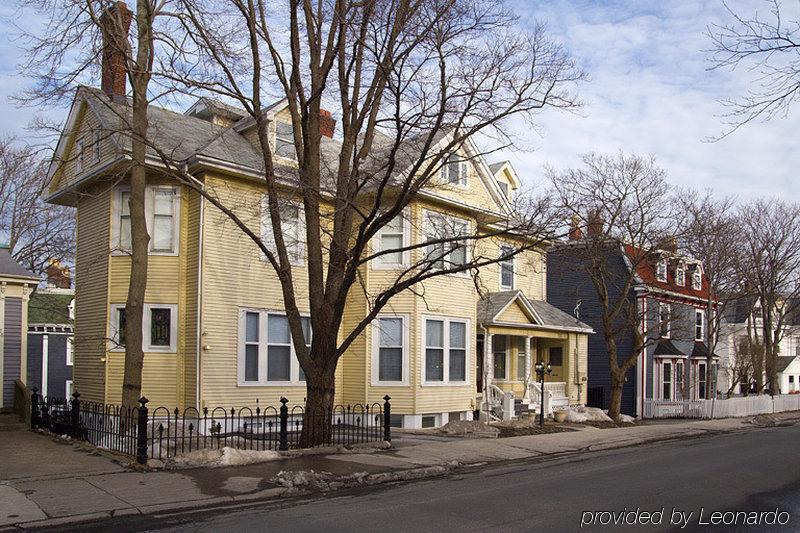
{"x": 16, "y": 285}
{"x": 50, "y": 332}
{"x": 670, "y": 293}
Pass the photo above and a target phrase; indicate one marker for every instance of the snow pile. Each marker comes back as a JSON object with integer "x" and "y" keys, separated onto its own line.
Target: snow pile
{"x": 582, "y": 413}
{"x": 626, "y": 419}
{"x": 468, "y": 427}
{"x": 223, "y": 457}
{"x": 324, "y": 481}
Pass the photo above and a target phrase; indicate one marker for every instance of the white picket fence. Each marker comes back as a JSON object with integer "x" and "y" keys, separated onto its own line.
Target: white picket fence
{"x": 732, "y": 407}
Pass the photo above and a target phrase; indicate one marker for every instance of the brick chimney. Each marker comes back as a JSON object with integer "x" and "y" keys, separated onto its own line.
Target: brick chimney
{"x": 327, "y": 124}
{"x": 58, "y": 276}
{"x": 594, "y": 226}
{"x": 575, "y": 232}
{"x": 115, "y": 23}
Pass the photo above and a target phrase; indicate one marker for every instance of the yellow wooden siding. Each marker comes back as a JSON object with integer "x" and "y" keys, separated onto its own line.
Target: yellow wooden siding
{"x": 188, "y": 327}
{"x": 474, "y": 194}
{"x": 160, "y": 375}
{"x": 85, "y": 125}
{"x": 514, "y": 314}
{"x": 91, "y": 292}
{"x": 235, "y": 277}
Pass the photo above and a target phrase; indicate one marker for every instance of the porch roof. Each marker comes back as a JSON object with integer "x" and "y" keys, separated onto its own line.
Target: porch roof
{"x": 540, "y": 314}
{"x": 700, "y": 350}
{"x": 665, "y": 348}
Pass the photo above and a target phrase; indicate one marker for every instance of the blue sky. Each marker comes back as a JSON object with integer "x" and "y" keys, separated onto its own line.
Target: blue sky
{"x": 650, "y": 92}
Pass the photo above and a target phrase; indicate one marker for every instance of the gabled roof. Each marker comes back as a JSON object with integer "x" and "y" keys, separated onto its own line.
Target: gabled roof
{"x": 783, "y": 362}
{"x": 665, "y": 347}
{"x": 540, "y": 313}
{"x": 701, "y": 350}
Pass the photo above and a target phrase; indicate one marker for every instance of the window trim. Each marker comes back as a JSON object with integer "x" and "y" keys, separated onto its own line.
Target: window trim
{"x": 275, "y": 141}
{"x": 665, "y": 381}
{"x": 662, "y": 263}
{"x": 375, "y": 355}
{"x": 149, "y": 203}
{"x": 513, "y": 262}
{"x": 297, "y": 259}
{"x": 463, "y": 170}
{"x": 446, "y": 321}
{"x": 263, "y": 350}
{"x": 682, "y": 375}
{"x": 377, "y": 264}
{"x": 146, "y": 323}
{"x": 68, "y": 389}
{"x": 70, "y": 356}
{"x": 702, "y": 325}
{"x": 426, "y": 223}
{"x": 680, "y": 274}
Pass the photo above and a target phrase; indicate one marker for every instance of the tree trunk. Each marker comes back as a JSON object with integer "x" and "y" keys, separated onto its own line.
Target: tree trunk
{"x": 318, "y": 414}
{"x": 617, "y": 382}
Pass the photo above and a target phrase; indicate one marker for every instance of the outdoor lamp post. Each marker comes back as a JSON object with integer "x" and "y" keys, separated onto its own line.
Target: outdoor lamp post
{"x": 541, "y": 370}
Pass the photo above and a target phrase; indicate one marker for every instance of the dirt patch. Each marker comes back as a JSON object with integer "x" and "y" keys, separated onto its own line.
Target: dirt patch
{"x": 468, "y": 428}
{"x": 607, "y": 425}
{"x": 519, "y": 430}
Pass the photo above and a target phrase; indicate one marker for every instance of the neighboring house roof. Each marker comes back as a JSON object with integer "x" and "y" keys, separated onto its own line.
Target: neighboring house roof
{"x": 700, "y": 350}
{"x": 542, "y": 313}
{"x": 783, "y": 362}
{"x": 49, "y": 308}
{"x": 665, "y": 347}
{"x": 646, "y": 271}
{"x": 10, "y": 268}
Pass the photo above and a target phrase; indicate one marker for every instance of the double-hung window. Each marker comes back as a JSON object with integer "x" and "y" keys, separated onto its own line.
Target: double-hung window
{"x": 666, "y": 381}
{"x": 522, "y": 359}
{"x": 284, "y": 140}
{"x": 697, "y": 279}
{"x": 680, "y": 275}
{"x": 507, "y": 268}
{"x": 664, "y": 319}
{"x": 679, "y": 379}
{"x": 449, "y": 252}
{"x": 293, "y": 230}
{"x": 161, "y": 213}
{"x": 701, "y": 381}
{"x": 500, "y": 356}
{"x": 390, "y": 351}
{"x": 159, "y": 327}
{"x": 661, "y": 270}
{"x": 699, "y": 324}
{"x": 266, "y": 351}
{"x": 445, "y": 350}
{"x": 455, "y": 170}
{"x": 393, "y": 236}
{"x": 70, "y": 340}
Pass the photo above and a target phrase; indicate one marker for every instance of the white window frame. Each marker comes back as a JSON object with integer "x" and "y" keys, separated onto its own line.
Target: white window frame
{"x": 293, "y": 157}
{"x": 679, "y": 391}
{"x": 680, "y": 275}
{"x": 116, "y": 245}
{"x": 69, "y": 349}
{"x": 463, "y": 170}
{"x": 375, "y": 358}
{"x": 501, "y": 264}
{"x": 96, "y": 145}
{"x": 147, "y": 347}
{"x": 263, "y": 351}
{"x": 668, "y": 333}
{"x": 68, "y": 389}
{"x": 380, "y": 262}
{"x": 296, "y": 250}
{"x": 451, "y": 221}
{"x": 702, "y": 325}
{"x": 662, "y": 265}
{"x": 79, "y": 155}
{"x": 506, "y": 356}
{"x": 446, "y": 320}
{"x": 697, "y": 279}
{"x": 698, "y": 380}
{"x": 667, "y": 378}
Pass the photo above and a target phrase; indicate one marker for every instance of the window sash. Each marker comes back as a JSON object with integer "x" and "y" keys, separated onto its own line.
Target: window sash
{"x": 679, "y": 379}
{"x": 506, "y": 268}
{"x": 391, "y": 350}
{"x": 293, "y": 230}
{"x": 448, "y": 254}
{"x": 699, "y": 325}
{"x": 455, "y": 170}
{"x": 393, "y": 237}
{"x": 266, "y": 351}
{"x": 666, "y": 381}
{"x": 160, "y": 326}
{"x": 161, "y": 217}
{"x": 680, "y": 276}
{"x": 697, "y": 280}
{"x": 284, "y": 141}
{"x": 661, "y": 271}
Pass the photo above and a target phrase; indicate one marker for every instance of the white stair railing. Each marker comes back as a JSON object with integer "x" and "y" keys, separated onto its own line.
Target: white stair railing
{"x": 535, "y": 394}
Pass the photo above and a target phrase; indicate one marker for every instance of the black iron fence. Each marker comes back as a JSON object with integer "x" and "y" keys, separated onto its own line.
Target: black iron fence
{"x": 162, "y": 433}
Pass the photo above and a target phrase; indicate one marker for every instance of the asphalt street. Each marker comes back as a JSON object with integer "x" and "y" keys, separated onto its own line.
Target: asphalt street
{"x": 751, "y": 471}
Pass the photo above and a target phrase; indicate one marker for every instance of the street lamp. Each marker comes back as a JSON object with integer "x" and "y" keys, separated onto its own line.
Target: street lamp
{"x": 541, "y": 370}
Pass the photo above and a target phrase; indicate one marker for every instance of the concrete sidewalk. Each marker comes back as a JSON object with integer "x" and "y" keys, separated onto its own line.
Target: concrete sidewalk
{"x": 44, "y": 482}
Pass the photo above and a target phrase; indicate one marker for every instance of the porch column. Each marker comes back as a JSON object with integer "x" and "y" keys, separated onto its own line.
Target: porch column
{"x": 526, "y": 394}
{"x": 488, "y": 358}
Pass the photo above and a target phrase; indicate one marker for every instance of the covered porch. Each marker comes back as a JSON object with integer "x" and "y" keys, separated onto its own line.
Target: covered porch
{"x": 515, "y": 334}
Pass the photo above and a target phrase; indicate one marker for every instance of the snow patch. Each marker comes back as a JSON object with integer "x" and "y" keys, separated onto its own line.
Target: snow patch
{"x": 586, "y": 414}
{"x": 226, "y": 456}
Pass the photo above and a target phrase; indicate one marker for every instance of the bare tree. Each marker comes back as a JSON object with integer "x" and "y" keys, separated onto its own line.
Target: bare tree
{"x": 413, "y": 81}
{"x": 35, "y": 231}
{"x": 770, "y": 264}
{"x": 80, "y": 34}
{"x": 768, "y": 47}
{"x": 623, "y": 205}
{"x": 746, "y": 352}
{"x": 711, "y": 234}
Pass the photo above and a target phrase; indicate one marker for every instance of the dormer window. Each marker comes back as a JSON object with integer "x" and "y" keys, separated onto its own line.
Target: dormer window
{"x": 661, "y": 270}
{"x": 697, "y": 279}
{"x": 680, "y": 274}
{"x": 284, "y": 141}
{"x": 504, "y": 188}
{"x": 455, "y": 170}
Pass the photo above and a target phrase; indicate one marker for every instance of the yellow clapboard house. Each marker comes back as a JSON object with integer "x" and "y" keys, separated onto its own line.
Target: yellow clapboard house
{"x": 215, "y": 333}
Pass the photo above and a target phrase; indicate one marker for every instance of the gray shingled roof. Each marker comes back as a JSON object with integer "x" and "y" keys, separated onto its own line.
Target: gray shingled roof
{"x": 9, "y": 267}
{"x": 492, "y": 303}
{"x": 494, "y": 167}
{"x": 665, "y": 347}
{"x": 783, "y": 362}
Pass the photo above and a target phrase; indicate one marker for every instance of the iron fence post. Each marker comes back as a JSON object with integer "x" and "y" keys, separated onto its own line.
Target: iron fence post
{"x": 387, "y": 417}
{"x": 75, "y": 414}
{"x": 141, "y": 432}
{"x": 283, "y": 436}
{"x": 34, "y": 408}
